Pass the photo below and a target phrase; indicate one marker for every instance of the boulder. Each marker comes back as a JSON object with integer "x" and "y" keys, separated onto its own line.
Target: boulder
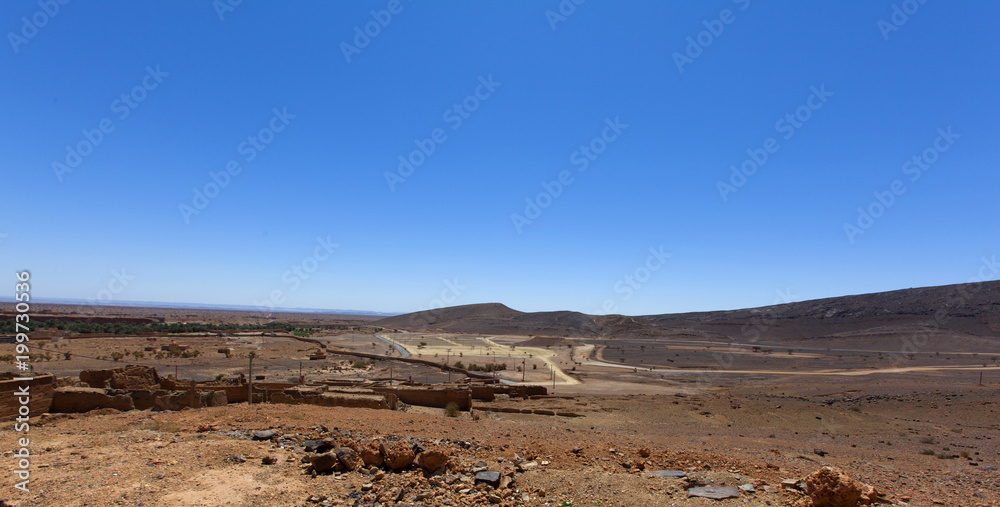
{"x": 371, "y": 456}
{"x": 831, "y": 487}
{"x": 398, "y": 455}
{"x": 431, "y": 461}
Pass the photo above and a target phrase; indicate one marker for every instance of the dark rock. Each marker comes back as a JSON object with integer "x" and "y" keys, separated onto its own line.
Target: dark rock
{"x": 268, "y": 460}
{"x": 325, "y": 462}
{"x": 317, "y": 446}
{"x": 489, "y": 477}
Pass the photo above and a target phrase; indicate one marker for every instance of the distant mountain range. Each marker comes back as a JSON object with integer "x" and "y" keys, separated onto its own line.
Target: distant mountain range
{"x": 967, "y": 311}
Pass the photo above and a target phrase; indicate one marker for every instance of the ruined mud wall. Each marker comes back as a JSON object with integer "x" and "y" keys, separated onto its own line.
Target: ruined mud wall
{"x": 40, "y": 389}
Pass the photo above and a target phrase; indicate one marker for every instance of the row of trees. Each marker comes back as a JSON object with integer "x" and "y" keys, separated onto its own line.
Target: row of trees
{"x": 7, "y": 327}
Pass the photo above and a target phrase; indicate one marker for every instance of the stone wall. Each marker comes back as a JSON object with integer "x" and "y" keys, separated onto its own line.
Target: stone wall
{"x": 40, "y": 388}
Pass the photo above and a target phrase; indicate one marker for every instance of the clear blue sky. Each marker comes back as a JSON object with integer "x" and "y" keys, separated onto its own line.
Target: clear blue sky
{"x": 197, "y": 86}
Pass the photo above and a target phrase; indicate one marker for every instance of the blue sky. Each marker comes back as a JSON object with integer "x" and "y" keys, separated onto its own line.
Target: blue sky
{"x": 504, "y": 98}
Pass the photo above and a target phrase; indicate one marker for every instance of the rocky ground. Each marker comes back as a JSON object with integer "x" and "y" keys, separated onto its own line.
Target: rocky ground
{"x": 617, "y": 454}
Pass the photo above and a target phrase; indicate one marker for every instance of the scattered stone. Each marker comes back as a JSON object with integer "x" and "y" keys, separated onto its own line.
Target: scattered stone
{"x": 790, "y": 484}
{"x": 577, "y": 450}
{"x": 527, "y": 466}
{"x": 489, "y": 477}
{"x": 644, "y": 452}
{"x": 820, "y": 452}
{"x": 669, "y": 473}
{"x": 264, "y": 434}
{"x": 268, "y": 460}
{"x": 318, "y": 446}
{"x": 747, "y": 488}
{"x": 714, "y": 492}
{"x": 831, "y": 487}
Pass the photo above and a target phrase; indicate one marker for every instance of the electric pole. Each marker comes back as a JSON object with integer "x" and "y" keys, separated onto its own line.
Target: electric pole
{"x": 250, "y": 381}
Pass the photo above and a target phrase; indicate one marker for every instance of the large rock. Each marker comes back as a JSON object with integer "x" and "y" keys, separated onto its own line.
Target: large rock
{"x": 371, "y": 456}
{"x": 349, "y": 458}
{"x": 398, "y": 455}
{"x": 431, "y": 461}
{"x": 831, "y": 487}
{"x": 83, "y": 399}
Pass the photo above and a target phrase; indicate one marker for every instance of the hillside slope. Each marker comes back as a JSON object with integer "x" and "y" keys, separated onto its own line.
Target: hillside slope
{"x": 971, "y": 310}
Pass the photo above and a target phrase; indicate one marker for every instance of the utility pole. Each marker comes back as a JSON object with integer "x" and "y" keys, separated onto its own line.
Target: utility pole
{"x": 300, "y": 373}
{"x": 524, "y": 368}
{"x": 447, "y": 362}
{"x": 250, "y": 381}
{"x": 552, "y": 370}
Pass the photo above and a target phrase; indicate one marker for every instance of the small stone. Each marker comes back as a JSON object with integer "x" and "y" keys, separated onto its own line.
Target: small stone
{"x": 268, "y": 460}
{"x": 527, "y": 466}
{"x": 264, "y": 434}
{"x": 714, "y": 492}
{"x": 668, "y": 473}
{"x": 747, "y": 488}
{"x": 489, "y": 477}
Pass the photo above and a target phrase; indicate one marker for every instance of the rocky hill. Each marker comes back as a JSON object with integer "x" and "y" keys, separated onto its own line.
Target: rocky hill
{"x": 971, "y": 310}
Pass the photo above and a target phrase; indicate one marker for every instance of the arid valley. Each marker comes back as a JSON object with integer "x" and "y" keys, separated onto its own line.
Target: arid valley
{"x": 567, "y": 408}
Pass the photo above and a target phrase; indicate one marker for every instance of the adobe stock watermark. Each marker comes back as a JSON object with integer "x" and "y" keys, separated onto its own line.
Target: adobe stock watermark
{"x": 249, "y": 148}
{"x": 714, "y": 28}
{"x": 363, "y": 36}
{"x": 123, "y": 106}
{"x": 454, "y": 116}
{"x": 884, "y": 199}
{"x": 30, "y": 27}
{"x": 787, "y": 126}
{"x": 223, "y": 7}
{"x": 299, "y": 272}
{"x": 958, "y": 297}
{"x": 900, "y": 15}
{"x": 117, "y": 284}
{"x": 566, "y": 8}
{"x": 582, "y": 158}
{"x": 632, "y": 282}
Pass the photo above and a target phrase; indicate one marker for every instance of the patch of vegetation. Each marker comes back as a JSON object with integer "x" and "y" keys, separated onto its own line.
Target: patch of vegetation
{"x": 451, "y": 410}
